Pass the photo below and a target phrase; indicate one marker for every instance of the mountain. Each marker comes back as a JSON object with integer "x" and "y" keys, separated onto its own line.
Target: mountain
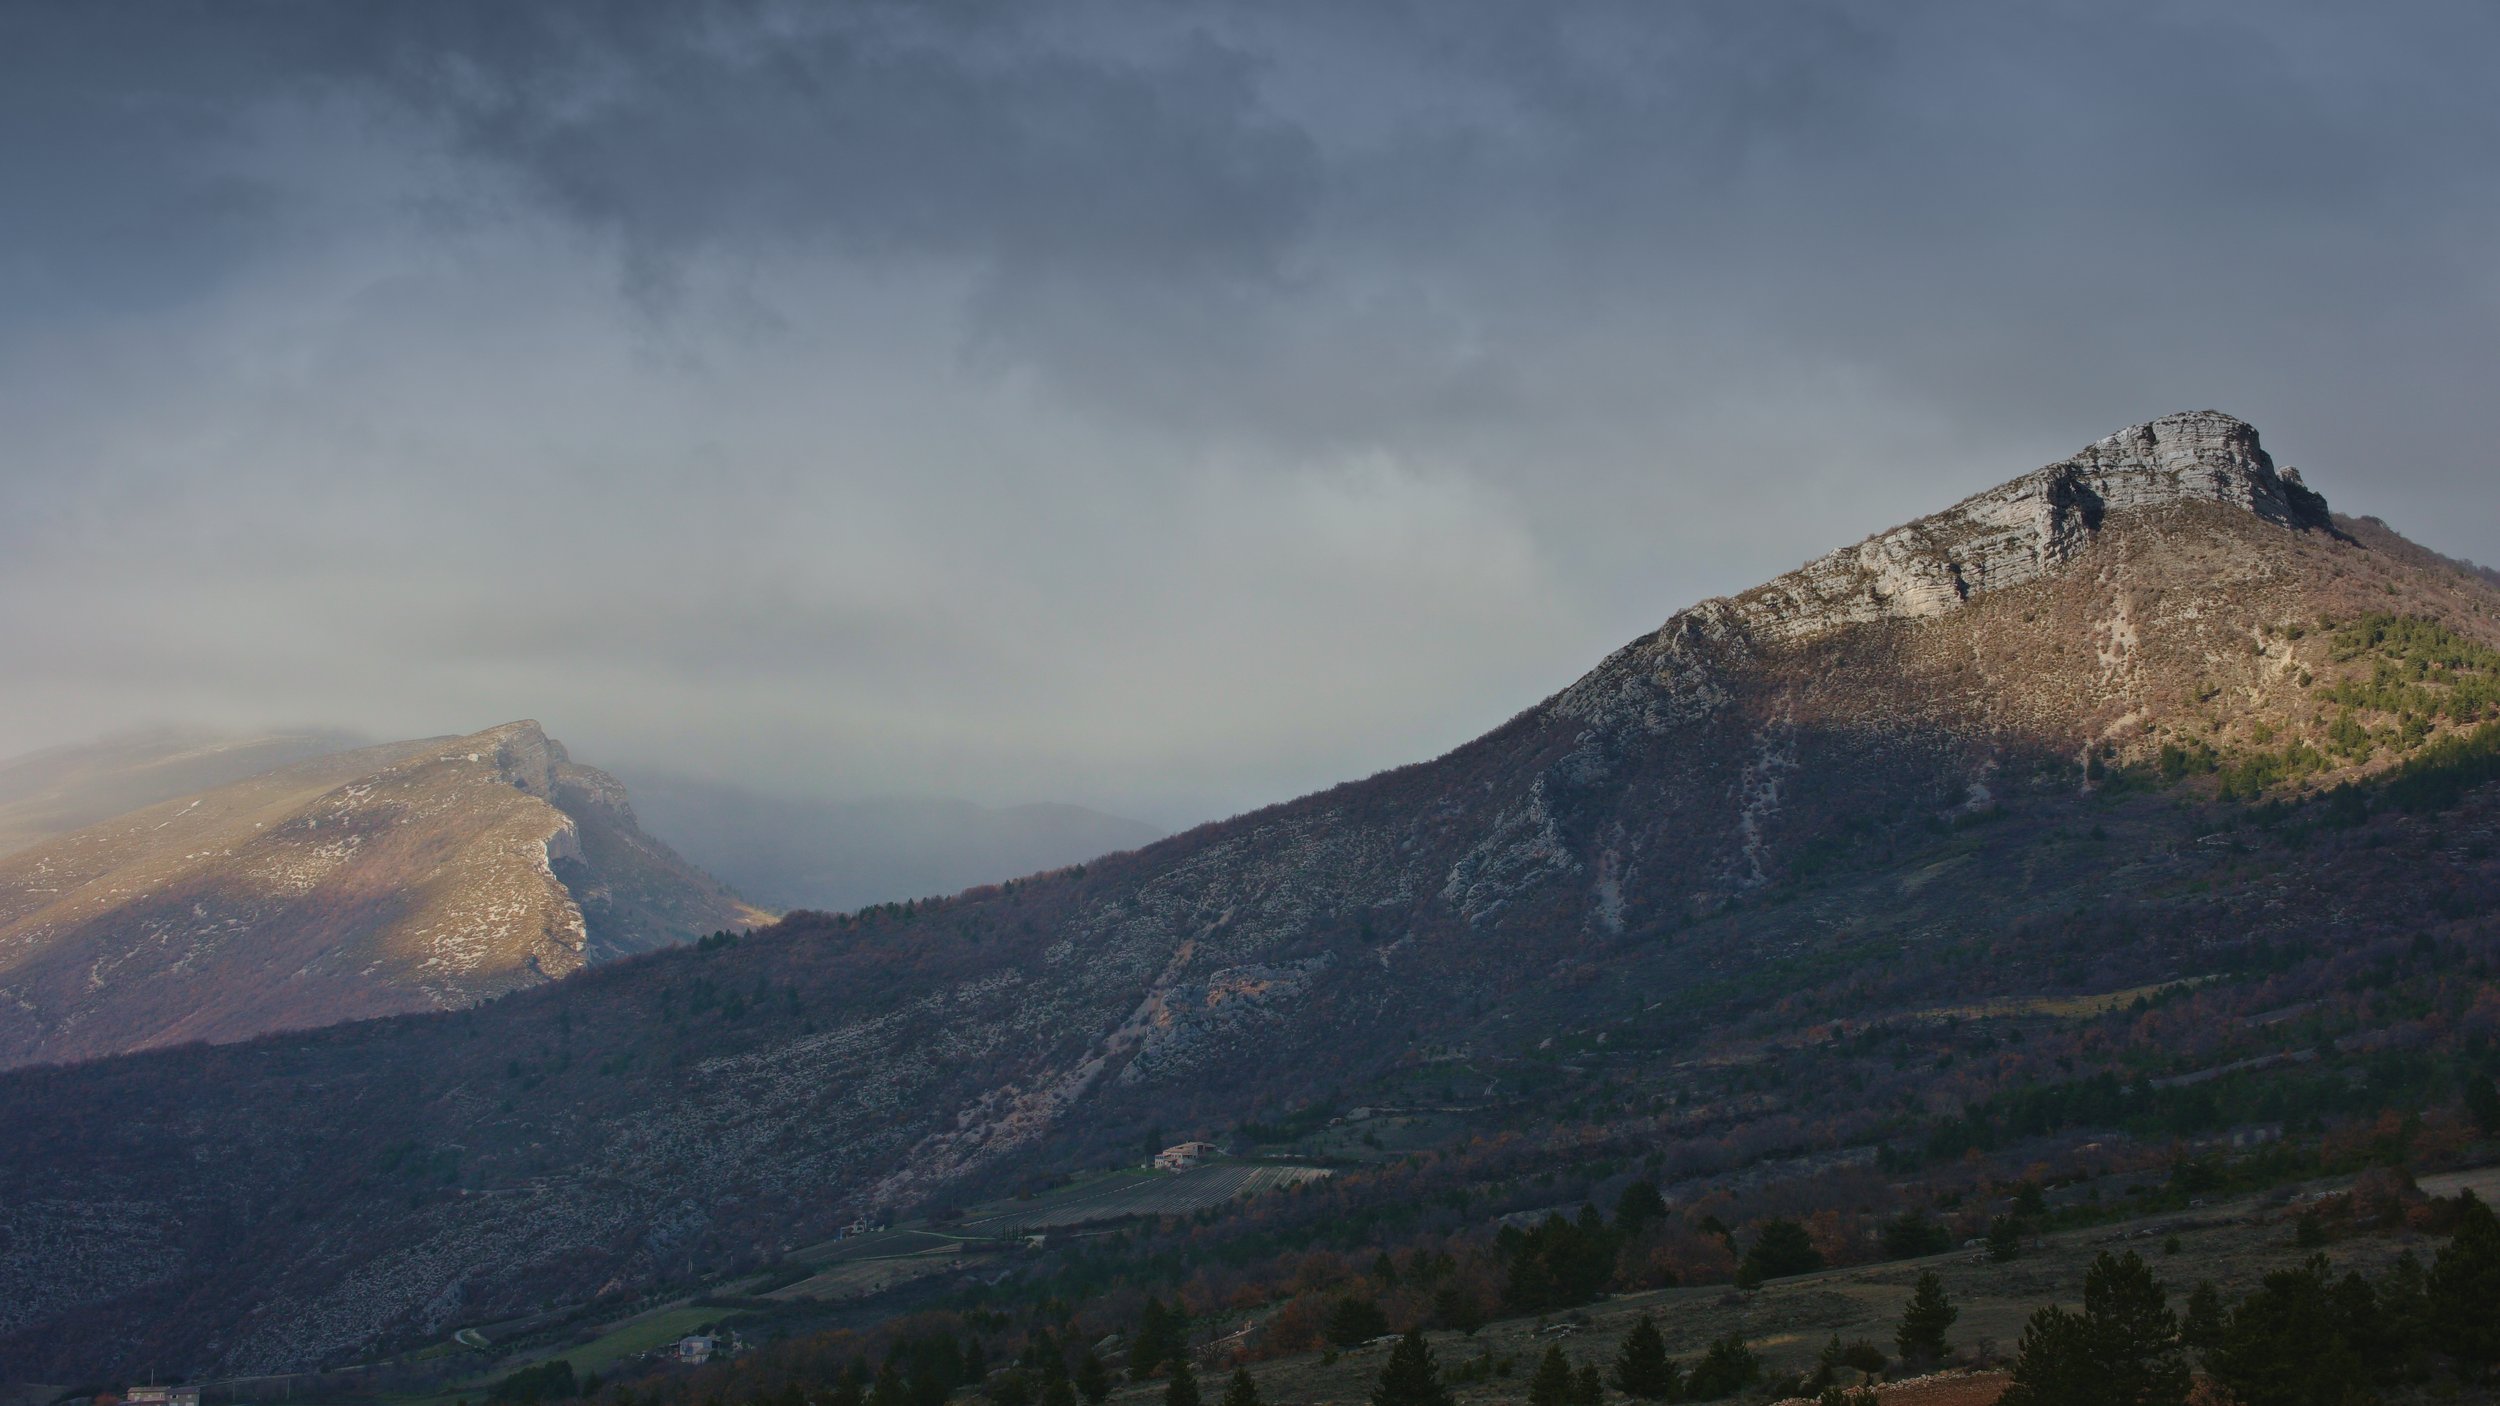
{"x": 837, "y": 856}
{"x": 60, "y": 789}
{"x": 1829, "y": 870}
{"x": 410, "y": 876}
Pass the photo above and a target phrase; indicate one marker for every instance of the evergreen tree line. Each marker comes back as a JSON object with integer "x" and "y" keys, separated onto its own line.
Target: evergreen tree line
{"x": 2304, "y": 1337}
{"x": 1561, "y": 1263}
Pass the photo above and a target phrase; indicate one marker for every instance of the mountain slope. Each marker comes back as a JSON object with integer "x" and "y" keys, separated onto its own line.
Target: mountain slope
{"x": 837, "y": 856}
{"x": 410, "y": 876}
{"x": 1979, "y": 759}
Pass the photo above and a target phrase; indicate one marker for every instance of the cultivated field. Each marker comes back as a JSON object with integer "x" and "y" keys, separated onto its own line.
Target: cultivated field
{"x": 1137, "y": 1193}
{"x": 638, "y": 1335}
{"x": 858, "y": 1278}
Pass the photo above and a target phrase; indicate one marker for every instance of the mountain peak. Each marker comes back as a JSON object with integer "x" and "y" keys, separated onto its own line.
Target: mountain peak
{"x": 2024, "y": 529}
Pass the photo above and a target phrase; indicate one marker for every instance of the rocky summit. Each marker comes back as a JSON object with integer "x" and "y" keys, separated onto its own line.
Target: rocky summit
{"x": 2150, "y": 719}
{"x": 356, "y": 883}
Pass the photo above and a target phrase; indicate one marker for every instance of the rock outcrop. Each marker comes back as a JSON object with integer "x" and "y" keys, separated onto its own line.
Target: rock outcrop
{"x": 2021, "y": 531}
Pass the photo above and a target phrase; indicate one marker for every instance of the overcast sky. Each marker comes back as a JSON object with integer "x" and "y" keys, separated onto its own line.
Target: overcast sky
{"x": 1159, "y": 406}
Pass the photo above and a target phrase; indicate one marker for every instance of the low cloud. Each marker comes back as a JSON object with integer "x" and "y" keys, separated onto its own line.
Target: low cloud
{"x": 1165, "y": 408}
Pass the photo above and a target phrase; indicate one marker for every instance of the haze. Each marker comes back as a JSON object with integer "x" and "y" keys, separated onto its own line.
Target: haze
{"x": 1166, "y": 408}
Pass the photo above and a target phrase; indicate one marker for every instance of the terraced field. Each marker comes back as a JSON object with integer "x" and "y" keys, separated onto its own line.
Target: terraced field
{"x": 1138, "y": 1193}
{"x": 859, "y": 1278}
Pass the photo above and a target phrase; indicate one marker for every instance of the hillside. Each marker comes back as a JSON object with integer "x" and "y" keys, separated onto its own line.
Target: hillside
{"x": 2095, "y": 774}
{"x": 410, "y": 876}
{"x": 838, "y": 855}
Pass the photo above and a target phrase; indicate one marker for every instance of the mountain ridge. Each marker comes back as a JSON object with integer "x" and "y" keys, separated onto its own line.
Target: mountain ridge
{"x": 360, "y": 883}
{"x": 1729, "y": 832}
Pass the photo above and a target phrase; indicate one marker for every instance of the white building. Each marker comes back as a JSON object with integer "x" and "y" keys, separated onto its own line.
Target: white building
{"x": 1181, "y": 1156}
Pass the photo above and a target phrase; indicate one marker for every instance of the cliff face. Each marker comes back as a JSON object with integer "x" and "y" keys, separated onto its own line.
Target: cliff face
{"x": 407, "y": 877}
{"x": 1772, "y": 812}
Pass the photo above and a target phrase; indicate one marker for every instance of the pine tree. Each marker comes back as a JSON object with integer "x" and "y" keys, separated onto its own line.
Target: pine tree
{"x": 1356, "y": 1320}
{"x": 1642, "y": 1369}
{"x": 1780, "y": 1249}
{"x": 2053, "y": 1367}
{"x": 2482, "y": 1103}
{"x": 1637, "y": 1209}
{"x": 2005, "y": 1239}
{"x": 2364, "y": 1324}
{"x": 889, "y": 1389}
{"x": 2202, "y": 1326}
{"x": 1157, "y": 1338}
{"x": 1530, "y": 1286}
{"x": 1243, "y": 1391}
{"x": 2122, "y": 1350}
{"x": 1041, "y": 1353}
{"x": 1456, "y": 1308}
{"x": 1182, "y": 1389}
{"x": 1588, "y": 1261}
{"x": 1093, "y": 1380}
{"x": 1913, "y": 1235}
{"x": 1727, "y": 1368}
{"x": 1587, "y": 1387}
{"x": 2286, "y": 1346}
{"x": 1411, "y": 1377}
{"x": 2134, "y": 1334}
{"x": 2463, "y": 1293}
{"x": 1924, "y": 1323}
{"x": 2404, "y": 1304}
{"x": 1552, "y": 1384}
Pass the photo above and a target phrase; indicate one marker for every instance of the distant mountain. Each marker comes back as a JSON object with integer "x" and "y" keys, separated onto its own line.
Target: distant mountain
{"x": 408, "y": 876}
{"x": 1818, "y": 870}
{"x": 60, "y": 789}
{"x": 836, "y": 856}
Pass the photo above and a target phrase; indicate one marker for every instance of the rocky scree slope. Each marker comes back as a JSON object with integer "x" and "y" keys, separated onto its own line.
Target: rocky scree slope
{"x": 1713, "y": 823}
{"x": 412, "y": 876}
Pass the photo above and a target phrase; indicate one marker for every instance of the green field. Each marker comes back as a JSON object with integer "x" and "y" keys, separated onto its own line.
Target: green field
{"x": 1117, "y": 1195}
{"x": 601, "y": 1354}
{"x": 637, "y": 1335}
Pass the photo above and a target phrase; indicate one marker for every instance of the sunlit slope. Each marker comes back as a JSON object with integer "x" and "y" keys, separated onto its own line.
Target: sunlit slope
{"x": 394, "y": 878}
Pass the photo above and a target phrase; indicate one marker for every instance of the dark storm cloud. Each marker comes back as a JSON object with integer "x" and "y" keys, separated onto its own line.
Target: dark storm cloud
{"x": 1173, "y": 405}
